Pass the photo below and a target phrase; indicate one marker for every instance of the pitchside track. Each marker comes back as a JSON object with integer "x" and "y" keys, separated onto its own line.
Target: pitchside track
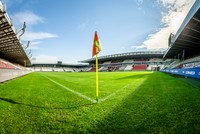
{"x": 140, "y": 102}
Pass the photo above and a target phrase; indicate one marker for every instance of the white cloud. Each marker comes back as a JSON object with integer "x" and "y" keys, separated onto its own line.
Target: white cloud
{"x": 34, "y": 45}
{"x": 36, "y": 42}
{"x": 172, "y": 20}
{"x": 45, "y": 59}
{"x": 29, "y": 17}
{"x": 140, "y": 47}
{"x": 31, "y": 36}
{"x": 32, "y": 20}
{"x": 159, "y": 40}
{"x": 176, "y": 4}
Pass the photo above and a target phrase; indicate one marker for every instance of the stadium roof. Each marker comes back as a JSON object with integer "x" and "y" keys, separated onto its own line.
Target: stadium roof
{"x": 10, "y": 45}
{"x": 130, "y": 55}
{"x": 187, "y": 39}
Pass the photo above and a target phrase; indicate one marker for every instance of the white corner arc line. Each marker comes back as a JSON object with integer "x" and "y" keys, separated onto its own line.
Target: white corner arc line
{"x": 68, "y": 89}
{"x": 113, "y": 94}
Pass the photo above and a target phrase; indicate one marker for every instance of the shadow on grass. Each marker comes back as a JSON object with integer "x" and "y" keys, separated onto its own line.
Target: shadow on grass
{"x": 9, "y": 100}
{"x": 153, "y": 108}
{"x": 29, "y": 105}
{"x": 134, "y": 76}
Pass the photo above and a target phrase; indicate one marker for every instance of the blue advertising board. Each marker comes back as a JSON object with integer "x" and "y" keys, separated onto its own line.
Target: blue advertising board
{"x": 188, "y": 72}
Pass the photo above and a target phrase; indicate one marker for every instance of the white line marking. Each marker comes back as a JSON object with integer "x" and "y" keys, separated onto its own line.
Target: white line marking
{"x": 68, "y": 89}
{"x": 113, "y": 94}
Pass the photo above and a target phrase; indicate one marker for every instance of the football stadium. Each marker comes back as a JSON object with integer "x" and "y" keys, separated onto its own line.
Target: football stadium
{"x": 131, "y": 92}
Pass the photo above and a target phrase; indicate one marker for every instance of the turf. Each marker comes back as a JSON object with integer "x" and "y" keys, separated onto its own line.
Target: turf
{"x": 130, "y": 102}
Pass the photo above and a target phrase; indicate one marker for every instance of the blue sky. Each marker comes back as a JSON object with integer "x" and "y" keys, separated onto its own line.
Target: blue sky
{"x": 63, "y": 30}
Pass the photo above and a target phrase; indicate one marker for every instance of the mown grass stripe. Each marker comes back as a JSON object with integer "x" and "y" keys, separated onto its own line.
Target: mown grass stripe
{"x": 113, "y": 94}
{"x": 68, "y": 89}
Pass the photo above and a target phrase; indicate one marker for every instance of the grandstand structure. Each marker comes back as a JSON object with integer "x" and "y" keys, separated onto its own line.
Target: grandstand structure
{"x": 132, "y": 61}
{"x": 59, "y": 67}
{"x": 182, "y": 56}
{"x": 13, "y": 56}
{"x": 185, "y": 45}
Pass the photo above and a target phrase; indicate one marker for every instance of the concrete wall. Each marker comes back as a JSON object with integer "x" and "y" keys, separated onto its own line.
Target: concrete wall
{"x": 7, "y": 74}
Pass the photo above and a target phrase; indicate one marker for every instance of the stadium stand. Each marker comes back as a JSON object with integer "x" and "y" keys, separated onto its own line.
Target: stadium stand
{"x": 122, "y": 68}
{"x": 185, "y": 44}
{"x": 5, "y": 65}
{"x": 139, "y": 67}
{"x": 128, "y": 61}
{"x": 183, "y": 52}
{"x": 47, "y": 69}
{"x": 104, "y": 68}
{"x": 128, "y": 68}
{"x": 68, "y": 69}
{"x": 58, "y": 69}
{"x": 93, "y": 69}
{"x": 11, "y": 48}
{"x": 107, "y": 62}
{"x": 189, "y": 63}
{"x": 125, "y": 61}
{"x": 12, "y": 54}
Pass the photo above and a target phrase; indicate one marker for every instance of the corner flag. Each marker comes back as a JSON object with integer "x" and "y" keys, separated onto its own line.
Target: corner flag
{"x": 96, "y": 45}
{"x": 96, "y": 49}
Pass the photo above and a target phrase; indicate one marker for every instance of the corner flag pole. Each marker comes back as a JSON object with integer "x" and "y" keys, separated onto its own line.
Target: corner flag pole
{"x": 97, "y": 79}
{"x": 95, "y": 51}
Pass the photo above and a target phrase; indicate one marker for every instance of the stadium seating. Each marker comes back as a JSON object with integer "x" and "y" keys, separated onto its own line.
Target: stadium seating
{"x": 107, "y": 62}
{"x": 141, "y": 60}
{"x": 128, "y": 68}
{"x": 47, "y": 69}
{"x": 139, "y": 67}
{"x": 128, "y": 61}
{"x": 37, "y": 69}
{"x": 58, "y": 69}
{"x": 101, "y": 68}
{"x": 113, "y": 68}
{"x": 104, "y": 68}
{"x": 6, "y": 65}
{"x": 122, "y": 68}
{"x": 93, "y": 69}
{"x": 155, "y": 60}
{"x": 189, "y": 63}
{"x": 174, "y": 63}
{"x": 87, "y": 69}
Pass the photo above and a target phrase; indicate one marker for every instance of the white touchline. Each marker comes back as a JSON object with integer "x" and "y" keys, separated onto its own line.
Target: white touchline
{"x": 68, "y": 89}
{"x": 113, "y": 94}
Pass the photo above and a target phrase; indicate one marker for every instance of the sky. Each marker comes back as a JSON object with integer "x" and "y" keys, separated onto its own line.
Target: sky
{"x": 63, "y": 30}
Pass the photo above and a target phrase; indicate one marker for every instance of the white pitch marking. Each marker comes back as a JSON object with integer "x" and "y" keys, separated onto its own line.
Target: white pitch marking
{"x": 68, "y": 89}
{"x": 113, "y": 94}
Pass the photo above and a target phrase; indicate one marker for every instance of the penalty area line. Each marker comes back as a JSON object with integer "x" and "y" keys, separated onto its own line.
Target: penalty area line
{"x": 70, "y": 90}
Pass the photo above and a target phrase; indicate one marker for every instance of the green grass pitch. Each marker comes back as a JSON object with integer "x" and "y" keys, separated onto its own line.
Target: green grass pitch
{"x": 129, "y": 102}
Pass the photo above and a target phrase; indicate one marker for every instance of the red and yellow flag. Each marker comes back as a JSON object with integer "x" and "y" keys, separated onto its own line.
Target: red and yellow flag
{"x": 96, "y": 45}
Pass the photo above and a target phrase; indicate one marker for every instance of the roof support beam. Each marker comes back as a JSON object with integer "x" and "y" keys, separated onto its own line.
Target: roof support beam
{"x": 190, "y": 36}
{"x": 193, "y": 30}
{"x": 188, "y": 41}
{"x": 196, "y": 19}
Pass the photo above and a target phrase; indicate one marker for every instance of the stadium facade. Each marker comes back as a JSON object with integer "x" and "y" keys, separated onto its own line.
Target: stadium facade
{"x": 182, "y": 56}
